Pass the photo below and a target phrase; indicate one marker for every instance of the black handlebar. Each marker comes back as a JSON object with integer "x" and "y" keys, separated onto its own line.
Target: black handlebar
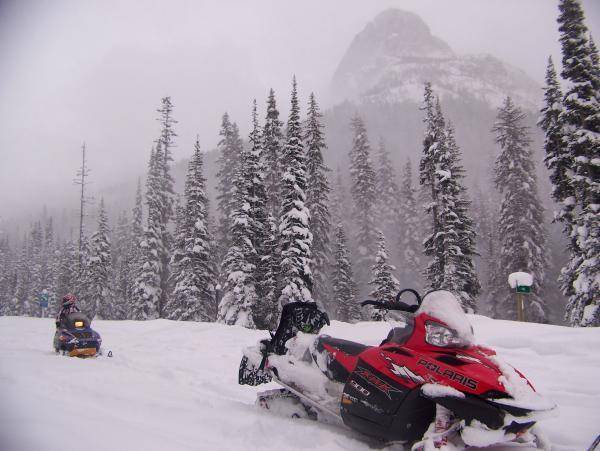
{"x": 397, "y": 304}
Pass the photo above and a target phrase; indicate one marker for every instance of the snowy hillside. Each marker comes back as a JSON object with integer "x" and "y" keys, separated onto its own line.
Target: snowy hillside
{"x": 173, "y": 386}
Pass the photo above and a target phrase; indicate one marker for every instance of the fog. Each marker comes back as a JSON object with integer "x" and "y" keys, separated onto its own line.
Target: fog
{"x": 95, "y": 71}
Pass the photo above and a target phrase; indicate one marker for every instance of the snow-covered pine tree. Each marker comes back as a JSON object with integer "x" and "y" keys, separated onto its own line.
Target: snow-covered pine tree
{"x": 272, "y": 139}
{"x": 6, "y": 271}
{"x": 295, "y": 236}
{"x": 20, "y": 304}
{"x": 410, "y": 239}
{"x": 35, "y": 256}
{"x": 339, "y": 203}
{"x": 192, "y": 298}
{"x": 451, "y": 244}
{"x": 434, "y": 144}
{"x": 166, "y": 143}
{"x": 388, "y": 195}
{"x": 521, "y": 232}
{"x": 68, "y": 269}
{"x": 147, "y": 288}
{"x": 267, "y": 310}
{"x": 50, "y": 265}
{"x": 98, "y": 296}
{"x": 384, "y": 283}
{"x": 557, "y": 159}
{"x": 580, "y": 118}
{"x": 136, "y": 236}
{"x": 484, "y": 212}
{"x": 241, "y": 296}
{"x": 317, "y": 200}
{"x": 271, "y": 273}
{"x": 362, "y": 187}
{"x": 121, "y": 267}
{"x": 228, "y": 164}
{"x": 459, "y": 228}
{"x": 342, "y": 280}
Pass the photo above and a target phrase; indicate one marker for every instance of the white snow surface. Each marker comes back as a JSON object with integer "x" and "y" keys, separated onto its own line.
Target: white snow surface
{"x": 520, "y": 279}
{"x": 173, "y": 386}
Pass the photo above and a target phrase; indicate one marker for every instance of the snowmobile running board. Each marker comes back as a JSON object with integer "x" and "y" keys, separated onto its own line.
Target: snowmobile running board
{"x": 310, "y": 401}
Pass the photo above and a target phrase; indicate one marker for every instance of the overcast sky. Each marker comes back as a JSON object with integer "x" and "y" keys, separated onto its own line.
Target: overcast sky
{"x": 94, "y": 71}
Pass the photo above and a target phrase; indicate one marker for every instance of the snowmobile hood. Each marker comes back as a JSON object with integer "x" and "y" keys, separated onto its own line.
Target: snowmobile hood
{"x": 443, "y": 306}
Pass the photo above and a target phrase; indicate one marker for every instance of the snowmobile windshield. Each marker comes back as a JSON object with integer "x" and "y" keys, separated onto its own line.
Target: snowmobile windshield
{"x": 444, "y": 306}
{"x": 76, "y": 320}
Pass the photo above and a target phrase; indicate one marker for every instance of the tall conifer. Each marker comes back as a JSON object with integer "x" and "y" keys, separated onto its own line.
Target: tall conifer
{"x": 521, "y": 231}
{"x": 294, "y": 221}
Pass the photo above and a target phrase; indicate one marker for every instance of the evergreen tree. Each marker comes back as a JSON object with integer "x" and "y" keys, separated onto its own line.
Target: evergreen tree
{"x": 452, "y": 241}
{"x": 317, "y": 200}
{"x": 35, "y": 257}
{"x": 557, "y": 159}
{"x": 122, "y": 253}
{"x": 339, "y": 204}
{"x": 147, "y": 288}
{"x": 460, "y": 226}
{"x": 98, "y": 296}
{"x": 343, "y": 286}
{"x": 228, "y": 163}
{"x": 6, "y": 271}
{"x": 434, "y": 144}
{"x": 20, "y": 304}
{"x": 521, "y": 223}
{"x": 384, "y": 283}
{"x": 410, "y": 237}
{"x": 192, "y": 297}
{"x": 364, "y": 197}
{"x": 135, "y": 250}
{"x": 581, "y": 118}
{"x": 50, "y": 265}
{"x": 294, "y": 221}
{"x": 167, "y": 193}
{"x": 68, "y": 269}
{"x": 388, "y": 194}
{"x": 272, "y": 138}
{"x": 267, "y": 309}
{"x": 243, "y": 262}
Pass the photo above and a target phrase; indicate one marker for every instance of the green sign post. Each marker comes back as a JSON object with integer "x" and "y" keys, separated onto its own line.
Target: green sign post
{"x": 522, "y": 290}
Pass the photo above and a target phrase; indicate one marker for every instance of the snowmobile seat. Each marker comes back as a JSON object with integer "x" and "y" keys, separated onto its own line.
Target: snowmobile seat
{"x": 400, "y": 335}
{"x": 346, "y": 346}
{"x": 341, "y": 356}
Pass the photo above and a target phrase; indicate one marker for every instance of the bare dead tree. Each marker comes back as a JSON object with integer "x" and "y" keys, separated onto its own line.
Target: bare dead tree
{"x": 81, "y": 180}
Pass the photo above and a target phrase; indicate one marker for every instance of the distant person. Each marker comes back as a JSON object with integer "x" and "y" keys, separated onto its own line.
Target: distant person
{"x": 68, "y": 307}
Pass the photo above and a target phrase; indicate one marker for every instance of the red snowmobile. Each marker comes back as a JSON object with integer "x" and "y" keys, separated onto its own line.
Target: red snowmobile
{"x": 426, "y": 385}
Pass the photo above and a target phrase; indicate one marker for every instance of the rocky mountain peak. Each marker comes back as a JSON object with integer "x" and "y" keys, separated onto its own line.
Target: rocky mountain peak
{"x": 395, "y": 54}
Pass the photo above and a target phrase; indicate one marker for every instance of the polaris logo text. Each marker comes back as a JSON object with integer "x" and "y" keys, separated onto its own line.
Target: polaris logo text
{"x": 380, "y": 385}
{"x": 449, "y": 374}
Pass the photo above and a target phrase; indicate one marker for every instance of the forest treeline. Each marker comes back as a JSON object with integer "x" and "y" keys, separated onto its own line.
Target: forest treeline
{"x": 288, "y": 228}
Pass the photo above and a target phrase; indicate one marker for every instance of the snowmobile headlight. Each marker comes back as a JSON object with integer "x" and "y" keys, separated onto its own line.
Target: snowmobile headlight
{"x": 442, "y": 336}
{"x": 78, "y": 324}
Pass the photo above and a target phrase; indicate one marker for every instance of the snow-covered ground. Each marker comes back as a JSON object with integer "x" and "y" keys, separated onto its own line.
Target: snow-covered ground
{"x": 173, "y": 386}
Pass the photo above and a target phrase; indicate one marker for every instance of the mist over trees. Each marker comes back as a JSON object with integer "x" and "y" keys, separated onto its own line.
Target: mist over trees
{"x": 262, "y": 220}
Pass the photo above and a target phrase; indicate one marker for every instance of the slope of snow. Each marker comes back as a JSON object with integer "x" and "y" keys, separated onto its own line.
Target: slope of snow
{"x": 173, "y": 386}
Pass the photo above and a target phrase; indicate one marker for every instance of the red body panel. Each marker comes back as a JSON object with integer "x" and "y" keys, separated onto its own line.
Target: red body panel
{"x": 416, "y": 362}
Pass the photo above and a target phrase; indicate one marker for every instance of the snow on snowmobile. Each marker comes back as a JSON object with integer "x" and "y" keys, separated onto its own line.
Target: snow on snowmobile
{"x": 75, "y": 337}
{"x": 427, "y": 385}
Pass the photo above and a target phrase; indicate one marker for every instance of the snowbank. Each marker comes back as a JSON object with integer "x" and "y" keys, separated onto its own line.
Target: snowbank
{"x": 173, "y": 386}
